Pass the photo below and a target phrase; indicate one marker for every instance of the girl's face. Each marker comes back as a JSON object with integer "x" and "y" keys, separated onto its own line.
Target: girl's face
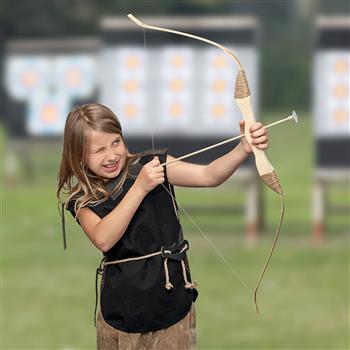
{"x": 106, "y": 154}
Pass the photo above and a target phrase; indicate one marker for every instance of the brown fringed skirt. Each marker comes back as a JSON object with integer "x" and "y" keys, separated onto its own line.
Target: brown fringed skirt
{"x": 181, "y": 335}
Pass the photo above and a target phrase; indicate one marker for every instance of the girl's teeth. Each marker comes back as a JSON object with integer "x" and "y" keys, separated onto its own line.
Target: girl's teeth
{"x": 110, "y": 165}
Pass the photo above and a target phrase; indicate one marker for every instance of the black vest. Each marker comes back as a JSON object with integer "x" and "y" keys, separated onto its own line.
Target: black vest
{"x": 133, "y": 297}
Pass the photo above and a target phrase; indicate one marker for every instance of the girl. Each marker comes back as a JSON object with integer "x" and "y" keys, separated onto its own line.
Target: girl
{"x": 125, "y": 203}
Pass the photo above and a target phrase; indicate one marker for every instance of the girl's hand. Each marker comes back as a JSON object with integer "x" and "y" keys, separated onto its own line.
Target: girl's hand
{"x": 259, "y": 136}
{"x": 150, "y": 176}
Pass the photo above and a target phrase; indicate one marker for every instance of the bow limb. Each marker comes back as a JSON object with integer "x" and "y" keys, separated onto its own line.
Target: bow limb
{"x": 265, "y": 169}
{"x": 229, "y": 52}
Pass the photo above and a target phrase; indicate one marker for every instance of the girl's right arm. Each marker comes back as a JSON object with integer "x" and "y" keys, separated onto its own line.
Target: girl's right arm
{"x": 105, "y": 233}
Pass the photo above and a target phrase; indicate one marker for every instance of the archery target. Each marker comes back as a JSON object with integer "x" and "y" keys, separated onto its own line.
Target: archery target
{"x": 176, "y": 90}
{"x": 218, "y": 113}
{"x": 75, "y": 75}
{"x": 48, "y": 84}
{"x": 331, "y": 93}
{"x": 123, "y": 89}
{"x": 26, "y": 76}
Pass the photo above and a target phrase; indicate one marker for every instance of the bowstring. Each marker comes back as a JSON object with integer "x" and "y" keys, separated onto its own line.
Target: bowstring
{"x": 217, "y": 251}
{"x": 146, "y": 59}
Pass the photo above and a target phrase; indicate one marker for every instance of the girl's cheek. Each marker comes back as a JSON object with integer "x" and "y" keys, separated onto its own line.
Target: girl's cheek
{"x": 95, "y": 159}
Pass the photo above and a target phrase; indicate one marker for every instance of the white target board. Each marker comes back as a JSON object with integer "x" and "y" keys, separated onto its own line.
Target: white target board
{"x": 176, "y": 90}
{"x": 331, "y": 93}
{"x": 48, "y": 84}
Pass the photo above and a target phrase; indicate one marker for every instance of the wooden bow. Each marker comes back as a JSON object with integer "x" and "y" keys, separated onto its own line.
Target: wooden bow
{"x": 243, "y": 99}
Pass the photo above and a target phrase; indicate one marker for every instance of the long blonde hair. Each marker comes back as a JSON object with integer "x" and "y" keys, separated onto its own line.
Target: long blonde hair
{"x": 75, "y": 180}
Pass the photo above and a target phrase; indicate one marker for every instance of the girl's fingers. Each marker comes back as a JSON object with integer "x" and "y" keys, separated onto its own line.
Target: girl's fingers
{"x": 160, "y": 179}
{"x": 157, "y": 176}
{"x": 158, "y": 169}
{"x": 241, "y": 126}
{"x": 259, "y": 140}
{"x": 259, "y": 132}
{"x": 255, "y": 126}
{"x": 262, "y": 146}
{"x": 155, "y": 161}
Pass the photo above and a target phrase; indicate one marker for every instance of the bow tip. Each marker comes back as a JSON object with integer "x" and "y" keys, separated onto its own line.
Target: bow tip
{"x": 134, "y": 19}
{"x": 256, "y": 304}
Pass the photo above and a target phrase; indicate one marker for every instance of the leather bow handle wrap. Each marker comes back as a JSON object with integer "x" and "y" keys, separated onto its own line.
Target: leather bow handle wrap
{"x": 243, "y": 100}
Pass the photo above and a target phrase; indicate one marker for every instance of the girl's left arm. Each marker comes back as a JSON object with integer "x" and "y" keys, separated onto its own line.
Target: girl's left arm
{"x": 215, "y": 173}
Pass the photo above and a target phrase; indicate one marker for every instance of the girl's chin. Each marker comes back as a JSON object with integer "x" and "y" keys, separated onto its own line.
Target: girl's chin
{"x": 111, "y": 174}
{"x": 108, "y": 176}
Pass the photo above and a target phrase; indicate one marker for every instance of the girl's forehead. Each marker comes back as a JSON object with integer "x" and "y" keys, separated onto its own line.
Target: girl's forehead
{"x": 100, "y": 137}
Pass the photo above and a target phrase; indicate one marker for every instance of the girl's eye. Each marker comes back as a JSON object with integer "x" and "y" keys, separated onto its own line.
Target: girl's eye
{"x": 117, "y": 141}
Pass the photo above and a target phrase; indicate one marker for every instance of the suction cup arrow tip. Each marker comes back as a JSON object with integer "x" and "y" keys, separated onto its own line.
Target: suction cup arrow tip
{"x": 295, "y": 116}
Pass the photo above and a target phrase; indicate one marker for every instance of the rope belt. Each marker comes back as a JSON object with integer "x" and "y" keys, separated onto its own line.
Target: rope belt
{"x": 173, "y": 252}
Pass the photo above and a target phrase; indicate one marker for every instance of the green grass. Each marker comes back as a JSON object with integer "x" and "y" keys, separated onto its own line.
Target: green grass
{"x": 48, "y": 294}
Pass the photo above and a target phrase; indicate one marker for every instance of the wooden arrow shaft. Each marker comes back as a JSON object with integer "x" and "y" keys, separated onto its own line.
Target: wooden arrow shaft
{"x": 222, "y": 143}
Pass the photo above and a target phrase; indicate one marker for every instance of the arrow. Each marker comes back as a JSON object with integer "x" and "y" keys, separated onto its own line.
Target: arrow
{"x": 293, "y": 116}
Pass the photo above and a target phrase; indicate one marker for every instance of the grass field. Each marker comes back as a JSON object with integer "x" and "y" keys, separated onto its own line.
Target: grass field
{"x": 48, "y": 294}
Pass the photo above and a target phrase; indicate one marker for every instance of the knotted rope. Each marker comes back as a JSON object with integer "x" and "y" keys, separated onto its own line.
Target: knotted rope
{"x": 166, "y": 253}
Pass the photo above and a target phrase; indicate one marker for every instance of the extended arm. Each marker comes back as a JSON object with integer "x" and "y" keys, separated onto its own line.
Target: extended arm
{"x": 215, "y": 173}
{"x": 185, "y": 174}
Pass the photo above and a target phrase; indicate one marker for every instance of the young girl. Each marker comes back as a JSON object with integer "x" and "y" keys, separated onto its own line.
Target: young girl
{"x": 125, "y": 203}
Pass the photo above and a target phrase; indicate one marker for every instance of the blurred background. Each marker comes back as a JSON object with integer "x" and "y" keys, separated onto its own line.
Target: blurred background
{"x": 57, "y": 54}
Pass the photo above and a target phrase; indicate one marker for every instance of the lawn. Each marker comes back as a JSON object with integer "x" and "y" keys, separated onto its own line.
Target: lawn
{"x": 48, "y": 294}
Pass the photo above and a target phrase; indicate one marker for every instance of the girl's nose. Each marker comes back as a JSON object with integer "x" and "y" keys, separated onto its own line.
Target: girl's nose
{"x": 112, "y": 156}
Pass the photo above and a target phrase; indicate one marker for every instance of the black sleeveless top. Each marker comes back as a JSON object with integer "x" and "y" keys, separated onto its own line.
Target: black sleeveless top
{"x": 133, "y": 296}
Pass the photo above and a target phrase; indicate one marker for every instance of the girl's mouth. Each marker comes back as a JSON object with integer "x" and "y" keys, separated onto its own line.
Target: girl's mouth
{"x": 110, "y": 168}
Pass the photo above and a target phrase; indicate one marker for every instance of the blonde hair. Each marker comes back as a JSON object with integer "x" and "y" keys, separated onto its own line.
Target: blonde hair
{"x": 75, "y": 180}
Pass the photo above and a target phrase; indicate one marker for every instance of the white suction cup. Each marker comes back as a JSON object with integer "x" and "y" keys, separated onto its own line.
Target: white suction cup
{"x": 295, "y": 116}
